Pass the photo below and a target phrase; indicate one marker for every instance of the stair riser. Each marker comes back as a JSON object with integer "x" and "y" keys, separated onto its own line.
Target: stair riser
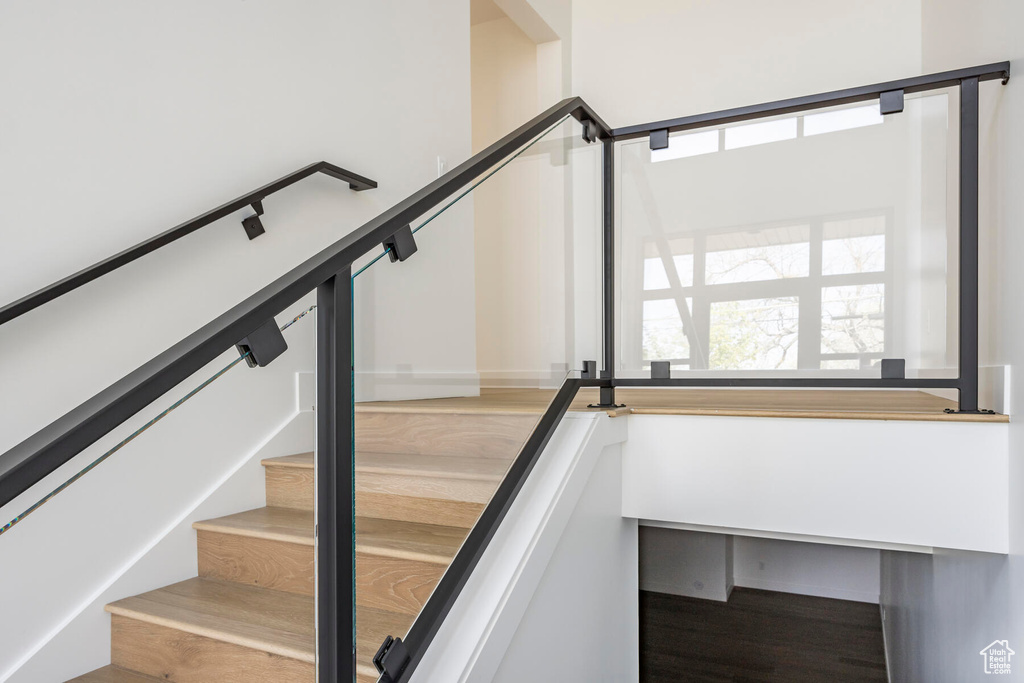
{"x": 415, "y": 509}
{"x": 182, "y": 657}
{"x": 257, "y": 562}
{"x": 488, "y": 436}
{"x": 394, "y": 584}
{"x": 289, "y": 487}
{"x": 428, "y": 500}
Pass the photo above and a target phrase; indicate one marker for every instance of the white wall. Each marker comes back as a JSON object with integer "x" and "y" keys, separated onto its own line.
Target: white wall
{"x": 537, "y": 225}
{"x": 128, "y": 119}
{"x": 828, "y": 571}
{"x": 587, "y": 601}
{"x": 942, "y": 610}
{"x": 657, "y": 59}
{"x": 559, "y": 576}
{"x": 708, "y": 565}
{"x": 859, "y": 482}
{"x": 690, "y": 563}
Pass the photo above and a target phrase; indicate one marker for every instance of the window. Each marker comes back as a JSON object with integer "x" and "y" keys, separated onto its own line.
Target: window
{"x": 740, "y": 291}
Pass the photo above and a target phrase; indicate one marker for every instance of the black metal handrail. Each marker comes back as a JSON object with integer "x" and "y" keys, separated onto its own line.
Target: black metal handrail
{"x": 945, "y": 79}
{"x": 255, "y": 198}
{"x": 58, "y": 442}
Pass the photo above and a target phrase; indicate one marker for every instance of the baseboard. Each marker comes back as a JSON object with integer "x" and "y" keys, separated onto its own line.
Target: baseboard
{"x": 806, "y": 589}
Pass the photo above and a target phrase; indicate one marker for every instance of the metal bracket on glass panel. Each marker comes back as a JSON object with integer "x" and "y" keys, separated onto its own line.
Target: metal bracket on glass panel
{"x": 891, "y": 102}
{"x": 661, "y": 369}
{"x": 659, "y": 139}
{"x": 894, "y": 368}
{"x": 400, "y": 245}
{"x": 253, "y": 226}
{"x": 590, "y": 132}
{"x": 391, "y": 659}
{"x": 263, "y": 345}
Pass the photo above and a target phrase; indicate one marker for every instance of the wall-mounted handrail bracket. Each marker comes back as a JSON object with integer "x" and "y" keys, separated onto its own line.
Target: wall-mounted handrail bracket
{"x": 391, "y": 659}
{"x": 261, "y": 346}
{"x": 253, "y": 225}
{"x": 659, "y": 139}
{"x": 890, "y": 102}
{"x": 401, "y": 245}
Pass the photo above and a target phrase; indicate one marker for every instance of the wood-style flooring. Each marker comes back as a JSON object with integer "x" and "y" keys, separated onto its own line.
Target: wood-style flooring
{"x": 759, "y": 637}
{"x": 804, "y": 403}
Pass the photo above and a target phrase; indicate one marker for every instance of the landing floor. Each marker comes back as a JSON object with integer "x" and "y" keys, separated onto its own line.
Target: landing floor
{"x": 813, "y": 403}
{"x": 759, "y": 636}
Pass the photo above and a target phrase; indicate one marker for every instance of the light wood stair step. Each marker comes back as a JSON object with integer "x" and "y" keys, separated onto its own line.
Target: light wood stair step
{"x": 113, "y": 674}
{"x": 479, "y": 434}
{"x": 267, "y": 547}
{"x": 434, "y": 489}
{"x": 207, "y": 630}
{"x": 398, "y": 563}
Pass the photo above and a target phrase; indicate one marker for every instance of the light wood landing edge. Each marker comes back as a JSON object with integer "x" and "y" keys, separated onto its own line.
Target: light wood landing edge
{"x": 853, "y": 404}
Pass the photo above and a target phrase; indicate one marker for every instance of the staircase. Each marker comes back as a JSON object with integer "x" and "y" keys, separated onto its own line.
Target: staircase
{"x": 422, "y": 478}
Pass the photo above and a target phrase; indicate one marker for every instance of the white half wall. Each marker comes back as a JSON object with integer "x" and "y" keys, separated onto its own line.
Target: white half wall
{"x": 559, "y": 576}
{"x": 861, "y": 482}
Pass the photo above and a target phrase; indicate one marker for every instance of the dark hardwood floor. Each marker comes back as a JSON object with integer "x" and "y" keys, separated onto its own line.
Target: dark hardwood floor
{"x": 759, "y": 636}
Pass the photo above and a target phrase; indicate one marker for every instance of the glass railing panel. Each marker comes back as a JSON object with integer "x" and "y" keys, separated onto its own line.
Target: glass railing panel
{"x": 811, "y": 244}
{"x": 458, "y": 352}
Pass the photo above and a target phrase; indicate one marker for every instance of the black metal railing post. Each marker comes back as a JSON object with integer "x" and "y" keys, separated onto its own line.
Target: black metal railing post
{"x": 607, "y": 393}
{"x": 968, "y": 304}
{"x": 335, "y": 514}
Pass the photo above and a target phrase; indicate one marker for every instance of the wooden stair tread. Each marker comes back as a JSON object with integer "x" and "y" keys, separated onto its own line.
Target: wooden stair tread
{"x": 275, "y": 524}
{"x": 258, "y": 618}
{"x": 114, "y": 674}
{"x": 385, "y": 537}
{"x": 408, "y": 540}
{"x": 266, "y": 620}
{"x": 449, "y": 466}
{"x": 302, "y": 461}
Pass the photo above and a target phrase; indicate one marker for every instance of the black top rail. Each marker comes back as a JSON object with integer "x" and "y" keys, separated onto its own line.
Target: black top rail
{"x": 254, "y": 199}
{"x": 46, "y": 450}
{"x": 945, "y": 79}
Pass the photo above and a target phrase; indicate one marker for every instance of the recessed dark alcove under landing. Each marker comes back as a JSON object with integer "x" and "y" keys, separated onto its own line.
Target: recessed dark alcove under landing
{"x": 759, "y": 636}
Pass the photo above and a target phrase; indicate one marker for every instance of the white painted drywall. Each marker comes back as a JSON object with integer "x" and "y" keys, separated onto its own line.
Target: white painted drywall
{"x": 658, "y": 59}
{"x": 694, "y": 564}
{"x": 877, "y": 482}
{"x": 537, "y": 225}
{"x": 559, "y": 575}
{"x": 708, "y": 565}
{"x": 130, "y": 119}
{"x": 941, "y": 610}
{"x": 828, "y": 571}
{"x": 586, "y": 602}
